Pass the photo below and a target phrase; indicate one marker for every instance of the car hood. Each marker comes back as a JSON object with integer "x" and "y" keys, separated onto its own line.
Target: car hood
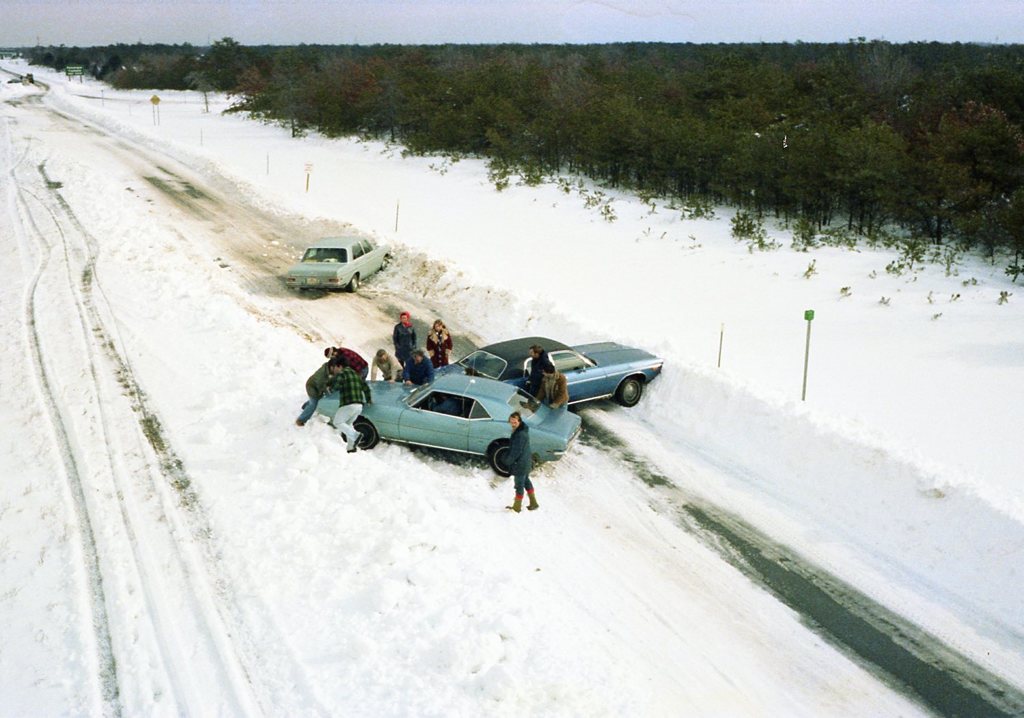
{"x": 382, "y": 393}
{"x": 315, "y": 269}
{"x": 605, "y": 353}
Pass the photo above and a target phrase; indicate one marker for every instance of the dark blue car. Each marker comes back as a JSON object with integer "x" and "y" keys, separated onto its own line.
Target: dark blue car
{"x": 601, "y": 370}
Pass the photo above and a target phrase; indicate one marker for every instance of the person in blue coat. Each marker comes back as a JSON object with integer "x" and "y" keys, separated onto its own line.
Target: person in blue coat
{"x": 520, "y": 461}
{"x": 418, "y": 370}
{"x": 404, "y": 338}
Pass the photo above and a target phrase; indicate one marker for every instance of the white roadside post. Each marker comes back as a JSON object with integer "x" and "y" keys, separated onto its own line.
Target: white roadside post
{"x": 809, "y": 316}
{"x": 309, "y": 171}
{"x": 397, "y": 203}
{"x": 721, "y": 338}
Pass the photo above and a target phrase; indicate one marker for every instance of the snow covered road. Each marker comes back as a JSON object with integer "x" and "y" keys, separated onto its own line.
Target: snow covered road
{"x": 240, "y": 566}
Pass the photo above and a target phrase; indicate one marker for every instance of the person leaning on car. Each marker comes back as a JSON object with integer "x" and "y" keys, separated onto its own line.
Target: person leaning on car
{"x": 418, "y": 370}
{"x": 554, "y": 387}
{"x": 540, "y": 360}
{"x": 386, "y": 365}
{"x": 318, "y": 384}
{"x": 353, "y": 359}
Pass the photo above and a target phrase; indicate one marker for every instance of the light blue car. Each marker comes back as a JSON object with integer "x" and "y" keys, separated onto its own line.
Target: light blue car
{"x": 460, "y": 413}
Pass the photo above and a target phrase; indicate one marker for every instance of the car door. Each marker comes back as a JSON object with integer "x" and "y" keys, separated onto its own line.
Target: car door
{"x": 484, "y": 428}
{"x": 373, "y": 256}
{"x": 586, "y": 380}
{"x": 427, "y": 422}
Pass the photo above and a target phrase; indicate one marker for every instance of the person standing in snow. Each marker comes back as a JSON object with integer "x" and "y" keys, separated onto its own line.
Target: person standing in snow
{"x": 353, "y": 359}
{"x": 353, "y": 392}
{"x": 386, "y": 365}
{"x": 540, "y": 360}
{"x": 520, "y": 462}
{"x": 318, "y": 384}
{"x": 439, "y": 344}
{"x": 418, "y": 370}
{"x": 554, "y": 387}
{"x": 404, "y": 337}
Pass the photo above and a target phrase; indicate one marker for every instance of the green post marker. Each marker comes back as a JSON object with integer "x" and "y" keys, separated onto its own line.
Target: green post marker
{"x": 809, "y": 316}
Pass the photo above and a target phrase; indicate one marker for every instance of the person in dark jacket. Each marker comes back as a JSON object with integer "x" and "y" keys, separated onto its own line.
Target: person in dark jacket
{"x": 353, "y": 392}
{"x": 418, "y": 370}
{"x": 554, "y": 388}
{"x": 318, "y": 384}
{"x": 439, "y": 344}
{"x": 540, "y": 360}
{"x": 404, "y": 337}
{"x": 520, "y": 462}
{"x": 353, "y": 359}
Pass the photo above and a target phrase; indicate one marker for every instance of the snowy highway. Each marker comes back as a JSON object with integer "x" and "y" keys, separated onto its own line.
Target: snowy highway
{"x": 172, "y": 544}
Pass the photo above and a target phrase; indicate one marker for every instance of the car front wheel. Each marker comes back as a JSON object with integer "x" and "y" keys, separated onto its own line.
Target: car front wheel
{"x": 629, "y": 391}
{"x": 368, "y": 435}
{"x": 497, "y": 455}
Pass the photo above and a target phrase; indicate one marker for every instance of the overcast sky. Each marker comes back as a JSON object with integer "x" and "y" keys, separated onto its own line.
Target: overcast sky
{"x": 250, "y": 22}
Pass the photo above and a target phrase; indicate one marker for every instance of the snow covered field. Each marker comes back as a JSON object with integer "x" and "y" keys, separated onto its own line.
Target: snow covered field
{"x": 303, "y": 580}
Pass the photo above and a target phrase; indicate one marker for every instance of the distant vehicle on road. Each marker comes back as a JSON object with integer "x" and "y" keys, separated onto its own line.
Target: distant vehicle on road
{"x": 337, "y": 263}
{"x": 460, "y": 413}
{"x": 593, "y": 371}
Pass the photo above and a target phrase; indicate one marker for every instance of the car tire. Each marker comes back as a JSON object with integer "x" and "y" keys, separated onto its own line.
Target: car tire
{"x": 497, "y": 456}
{"x": 353, "y": 284}
{"x": 369, "y": 437}
{"x": 630, "y": 391}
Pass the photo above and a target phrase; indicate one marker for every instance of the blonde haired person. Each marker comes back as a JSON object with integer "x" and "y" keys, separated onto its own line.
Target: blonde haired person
{"x": 439, "y": 344}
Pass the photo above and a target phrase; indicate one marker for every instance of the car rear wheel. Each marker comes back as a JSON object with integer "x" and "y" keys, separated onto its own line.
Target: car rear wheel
{"x": 629, "y": 391}
{"x": 368, "y": 435}
{"x": 497, "y": 455}
{"x": 353, "y": 284}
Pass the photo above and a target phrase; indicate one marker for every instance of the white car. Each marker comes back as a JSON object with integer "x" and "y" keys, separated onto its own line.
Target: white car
{"x": 337, "y": 263}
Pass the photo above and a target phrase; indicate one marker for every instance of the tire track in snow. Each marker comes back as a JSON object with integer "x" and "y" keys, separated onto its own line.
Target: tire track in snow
{"x": 107, "y": 675}
{"x": 217, "y": 608}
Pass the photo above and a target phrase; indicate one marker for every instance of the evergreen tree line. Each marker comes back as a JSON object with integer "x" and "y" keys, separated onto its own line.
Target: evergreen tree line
{"x": 925, "y": 138}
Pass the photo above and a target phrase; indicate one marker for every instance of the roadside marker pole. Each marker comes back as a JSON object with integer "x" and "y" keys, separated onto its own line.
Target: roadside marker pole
{"x": 721, "y": 338}
{"x": 397, "y": 202}
{"x": 809, "y": 316}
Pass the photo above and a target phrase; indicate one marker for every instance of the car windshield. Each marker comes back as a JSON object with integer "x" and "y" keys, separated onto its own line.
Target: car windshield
{"x": 326, "y": 254}
{"x": 484, "y": 364}
{"x": 523, "y": 403}
{"x": 416, "y": 394}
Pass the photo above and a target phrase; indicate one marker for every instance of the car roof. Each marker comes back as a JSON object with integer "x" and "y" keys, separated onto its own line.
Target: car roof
{"x": 339, "y": 242}
{"x": 514, "y": 349}
{"x": 476, "y": 386}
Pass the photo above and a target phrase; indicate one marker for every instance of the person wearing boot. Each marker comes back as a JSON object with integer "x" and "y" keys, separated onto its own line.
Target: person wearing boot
{"x": 520, "y": 460}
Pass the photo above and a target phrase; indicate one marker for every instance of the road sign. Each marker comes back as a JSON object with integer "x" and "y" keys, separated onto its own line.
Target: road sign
{"x": 155, "y": 100}
{"x": 809, "y": 314}
{"x": 70, "y": 70}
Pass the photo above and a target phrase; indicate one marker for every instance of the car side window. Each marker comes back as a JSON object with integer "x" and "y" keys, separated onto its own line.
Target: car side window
{"x": 367, "y": 247}
{"x": 357, "y": 251}
{"x": 566, "y": 361}
{"x": 478, "y": 412}
{"x": 441, "y": 402}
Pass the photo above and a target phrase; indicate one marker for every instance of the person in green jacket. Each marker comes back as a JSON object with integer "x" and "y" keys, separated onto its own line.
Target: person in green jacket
{"x": 353, "y": 392}
{"x": 318, "y": 384}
